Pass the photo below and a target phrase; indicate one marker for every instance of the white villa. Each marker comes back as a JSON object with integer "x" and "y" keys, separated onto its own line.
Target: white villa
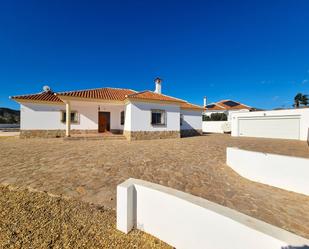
{"x": 136, "y": 115}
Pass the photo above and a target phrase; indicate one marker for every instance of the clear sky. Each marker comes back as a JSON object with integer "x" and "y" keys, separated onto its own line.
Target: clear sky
{"x": 256, "y": 52}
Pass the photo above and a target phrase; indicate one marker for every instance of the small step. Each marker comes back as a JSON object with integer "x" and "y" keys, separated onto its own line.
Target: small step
{"x": 90, "y": 138}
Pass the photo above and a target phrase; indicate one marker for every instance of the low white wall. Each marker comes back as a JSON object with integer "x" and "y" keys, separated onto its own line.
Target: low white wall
{"x": 302, "y": 114}
{"x": 286, "y": 172}
{"x": 186, "y": 221}
{"x": 138, "y": 117}
{"x": 215, "y": 126}
{"x": 191, "y": 120}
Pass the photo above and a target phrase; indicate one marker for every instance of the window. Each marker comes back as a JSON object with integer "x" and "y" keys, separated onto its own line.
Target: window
{"x": 74, "y": 117}
{"x": 181, "y": 119}
{"x": 122, "y": 118}
{"x": 158, "y": 117}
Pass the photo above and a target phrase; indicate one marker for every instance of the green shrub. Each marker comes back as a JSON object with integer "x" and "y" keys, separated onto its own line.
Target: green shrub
{"x": 215, "y": 117}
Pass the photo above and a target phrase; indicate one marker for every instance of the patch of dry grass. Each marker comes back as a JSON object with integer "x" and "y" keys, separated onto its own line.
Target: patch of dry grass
{"x": 31, "y": 219}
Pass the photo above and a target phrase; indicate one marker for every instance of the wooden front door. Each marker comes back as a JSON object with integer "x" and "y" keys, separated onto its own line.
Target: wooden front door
{"x": 104, "y": 121}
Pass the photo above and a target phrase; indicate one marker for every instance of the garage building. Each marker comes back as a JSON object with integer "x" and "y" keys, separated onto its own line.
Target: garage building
{"x": 285, "y": 124}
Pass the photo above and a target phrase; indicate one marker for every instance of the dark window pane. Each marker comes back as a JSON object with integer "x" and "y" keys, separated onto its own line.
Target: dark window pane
{"x": 64, "y": 117}
{"x": 153, "y": 118}
{"x": 156, "y": 118}
{"x": 72, "y": 116}
{"x": 122, "y": 118}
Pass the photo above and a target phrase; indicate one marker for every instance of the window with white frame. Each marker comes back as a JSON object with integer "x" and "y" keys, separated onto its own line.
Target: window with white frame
{"x": 158, "y": 117}
{"x": 74, "y": 117}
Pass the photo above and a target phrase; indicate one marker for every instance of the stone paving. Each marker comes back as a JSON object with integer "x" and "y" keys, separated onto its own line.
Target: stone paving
{"x": 91, "y": 170}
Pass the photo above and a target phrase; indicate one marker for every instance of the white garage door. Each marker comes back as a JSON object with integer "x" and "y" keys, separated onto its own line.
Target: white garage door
{"x": 270, "y": 127}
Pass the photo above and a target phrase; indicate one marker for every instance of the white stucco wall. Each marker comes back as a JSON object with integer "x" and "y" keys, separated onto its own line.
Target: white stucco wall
{"x": 216, "y": 126}
{"x": 186, "y": 221}
{"x": 231, "y": 112}
{"x": 41, "y": 117}
{"x": 88, "y": 113}
{"x": 191, "y": 120}
{"x": 303, "y": 115}
{"x": 286, "y": 172}
{"x": 48, "y": 117}
{"x": 138, "y": 117}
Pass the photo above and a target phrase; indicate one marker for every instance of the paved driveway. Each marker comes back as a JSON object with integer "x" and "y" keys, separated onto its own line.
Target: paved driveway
{"x": 91, "y": 170}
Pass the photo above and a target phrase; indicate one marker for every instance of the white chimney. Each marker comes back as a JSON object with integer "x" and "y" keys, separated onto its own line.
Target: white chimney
{"x": 158, "y": 82}
{"x": 205, "y": 101}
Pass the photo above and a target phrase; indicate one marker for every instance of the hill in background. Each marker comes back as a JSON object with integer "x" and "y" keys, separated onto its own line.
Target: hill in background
{"x": 9, "y": 116}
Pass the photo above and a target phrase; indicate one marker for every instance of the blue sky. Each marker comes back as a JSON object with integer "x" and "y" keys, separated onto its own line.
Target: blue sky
{"x": 256, "y": 52}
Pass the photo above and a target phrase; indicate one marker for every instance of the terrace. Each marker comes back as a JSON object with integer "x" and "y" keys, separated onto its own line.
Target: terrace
{"x": 90, "y": 171}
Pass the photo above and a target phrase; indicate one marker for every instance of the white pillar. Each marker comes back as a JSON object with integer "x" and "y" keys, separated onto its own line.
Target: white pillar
{"x": 125, "y": 207}
{"x": 68, "y": 119}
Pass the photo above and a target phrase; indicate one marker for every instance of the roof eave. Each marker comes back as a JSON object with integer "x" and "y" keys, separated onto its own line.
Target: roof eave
{"x": 65, "y": 98}
{"x": 21, "y": 101}
{"x": 191, "y": 109}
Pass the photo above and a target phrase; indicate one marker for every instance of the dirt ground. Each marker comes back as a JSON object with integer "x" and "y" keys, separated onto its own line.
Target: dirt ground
{"x": 38, "y": 220}
{"x": 91, "y": 170}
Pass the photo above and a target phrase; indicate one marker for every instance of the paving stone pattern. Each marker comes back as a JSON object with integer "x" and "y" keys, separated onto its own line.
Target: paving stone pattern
{"x": 91, "y": 170}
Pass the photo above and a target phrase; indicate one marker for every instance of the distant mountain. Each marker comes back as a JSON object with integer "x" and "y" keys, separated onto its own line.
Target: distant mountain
{"x": 9, "y": 116}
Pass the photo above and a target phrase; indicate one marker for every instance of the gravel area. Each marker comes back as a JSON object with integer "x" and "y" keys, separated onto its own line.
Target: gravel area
{"x": 38, "y": 220}
{"x": 91, "y": 170}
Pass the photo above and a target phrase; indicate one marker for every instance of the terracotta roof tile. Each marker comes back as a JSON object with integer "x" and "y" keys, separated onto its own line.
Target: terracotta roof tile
{"x": 149, "y": 95}
{"x": 100, "y": 93}
{"x": 106, "y": 94}
{"x": 232, "y": 105}
{"x": 43, "y": 96}
{"x": 187, "y": 105}
{"x": 226, "y": 105}
{"x": 214, "y": 107}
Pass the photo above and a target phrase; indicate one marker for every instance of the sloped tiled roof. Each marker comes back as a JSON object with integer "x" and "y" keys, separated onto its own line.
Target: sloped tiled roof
{"x": 43, "y": 96}
{"x": 233, "y": 105}
{"x": 106, "y": 94}
{"x": 100, "y": 93}
{"x": 187, "y": 105}
{"x": 149, "y": 95}
{"x": 214, "y": 106}
{"x": 227, "y": 105}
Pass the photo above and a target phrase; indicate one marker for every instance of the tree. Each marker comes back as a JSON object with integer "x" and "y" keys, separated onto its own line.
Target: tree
{"x": 215, "y": 117}
{"x": 297, "y": 100}
{"x": 304, "y": 100}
